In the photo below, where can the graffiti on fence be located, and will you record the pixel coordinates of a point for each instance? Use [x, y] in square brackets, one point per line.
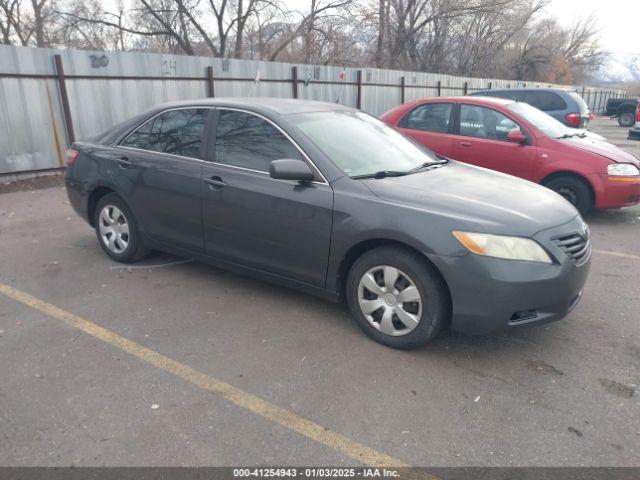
[98, 61]
[169, 67]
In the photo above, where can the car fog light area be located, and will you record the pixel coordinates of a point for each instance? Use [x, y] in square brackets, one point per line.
[623, 169]
[502, 246]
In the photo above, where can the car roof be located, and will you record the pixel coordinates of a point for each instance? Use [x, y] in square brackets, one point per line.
[281, 106]
[526, 89]
[468, 99]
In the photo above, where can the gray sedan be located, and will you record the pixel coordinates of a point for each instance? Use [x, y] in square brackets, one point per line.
[330, 200]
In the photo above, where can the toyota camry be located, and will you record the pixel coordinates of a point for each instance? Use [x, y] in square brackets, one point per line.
[332, 201]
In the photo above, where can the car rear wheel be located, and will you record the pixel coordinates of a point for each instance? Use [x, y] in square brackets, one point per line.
[397, 298]
[626, 119]
[574, 190]
[117, 230]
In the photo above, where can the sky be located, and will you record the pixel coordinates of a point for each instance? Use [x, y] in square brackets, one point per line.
[618, 20]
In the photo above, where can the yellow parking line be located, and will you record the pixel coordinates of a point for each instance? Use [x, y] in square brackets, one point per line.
[617, 254]
[243, 399]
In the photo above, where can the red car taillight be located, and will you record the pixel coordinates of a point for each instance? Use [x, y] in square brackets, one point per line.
[71, 156]
[573, 119]
[638, 113]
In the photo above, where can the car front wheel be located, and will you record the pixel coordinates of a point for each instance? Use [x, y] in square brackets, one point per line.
[574, 190]
[117, 230]
[397, 298]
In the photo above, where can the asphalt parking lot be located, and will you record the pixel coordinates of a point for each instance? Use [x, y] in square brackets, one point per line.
[196, 366]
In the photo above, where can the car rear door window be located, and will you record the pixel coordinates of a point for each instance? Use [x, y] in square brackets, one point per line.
[430, 117]
[545, 101]
[248, 141]
[484, 122]
[177, 132]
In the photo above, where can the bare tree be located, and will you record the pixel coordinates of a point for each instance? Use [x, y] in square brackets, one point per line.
[319, 10]
[13, 23]
[504, 38]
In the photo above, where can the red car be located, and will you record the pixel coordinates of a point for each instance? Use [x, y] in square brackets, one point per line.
[518, 139]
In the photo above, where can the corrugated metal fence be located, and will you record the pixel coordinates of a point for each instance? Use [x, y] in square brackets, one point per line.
[49, 97]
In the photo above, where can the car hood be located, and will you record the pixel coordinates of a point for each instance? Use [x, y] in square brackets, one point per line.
[477, 198]
[602, 148]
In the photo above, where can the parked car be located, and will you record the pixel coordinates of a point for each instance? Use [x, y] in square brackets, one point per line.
[335, 202]
[624, 109]
[566, 106]
[634, 133]
[518, 139]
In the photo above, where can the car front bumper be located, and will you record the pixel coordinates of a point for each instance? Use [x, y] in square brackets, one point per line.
[618, 192]
[634, 133]
[490, 295]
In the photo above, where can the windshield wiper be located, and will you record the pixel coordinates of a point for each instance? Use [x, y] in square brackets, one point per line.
[429, 164]
[381, 174]
[567, 135]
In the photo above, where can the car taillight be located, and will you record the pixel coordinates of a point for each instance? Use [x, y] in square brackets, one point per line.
[638, 113]
[573, 119]
[71, 156]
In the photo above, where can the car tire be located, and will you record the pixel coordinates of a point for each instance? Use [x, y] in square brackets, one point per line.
[399, 274]
[574, 190]
[117, 230]
[626, 119]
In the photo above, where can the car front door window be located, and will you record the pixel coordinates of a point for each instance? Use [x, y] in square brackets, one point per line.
[485, 123]
[248, 141]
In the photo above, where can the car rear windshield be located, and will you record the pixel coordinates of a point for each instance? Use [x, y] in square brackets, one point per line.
[543, 121]
[582, 105]
[360, 144]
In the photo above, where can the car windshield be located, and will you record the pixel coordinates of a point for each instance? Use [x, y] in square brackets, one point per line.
[362, 145]
[549, 125]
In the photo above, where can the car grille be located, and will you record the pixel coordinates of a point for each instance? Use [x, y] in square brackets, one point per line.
[576, 246]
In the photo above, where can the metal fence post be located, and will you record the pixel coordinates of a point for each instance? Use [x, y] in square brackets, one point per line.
[64, 97]
[210, 87]
[439, 88]
[359, 95]
[402, 89]
[490, 85]
[465, 88]
[294, 82]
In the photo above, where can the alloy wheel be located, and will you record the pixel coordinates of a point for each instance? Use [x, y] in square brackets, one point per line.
[390, 300]
[114, 229]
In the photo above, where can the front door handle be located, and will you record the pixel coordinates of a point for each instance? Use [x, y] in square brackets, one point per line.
[124, 162]
[215, 181]
[465, 144]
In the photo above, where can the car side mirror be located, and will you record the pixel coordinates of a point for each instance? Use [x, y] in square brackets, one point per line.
[516, 136]
[289, 169]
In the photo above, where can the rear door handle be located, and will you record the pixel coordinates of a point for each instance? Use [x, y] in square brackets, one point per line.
[215, 181]
[124, 162]
[465, 144]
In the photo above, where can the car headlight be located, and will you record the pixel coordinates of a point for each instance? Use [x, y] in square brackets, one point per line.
[623, 169]
[502, 246]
